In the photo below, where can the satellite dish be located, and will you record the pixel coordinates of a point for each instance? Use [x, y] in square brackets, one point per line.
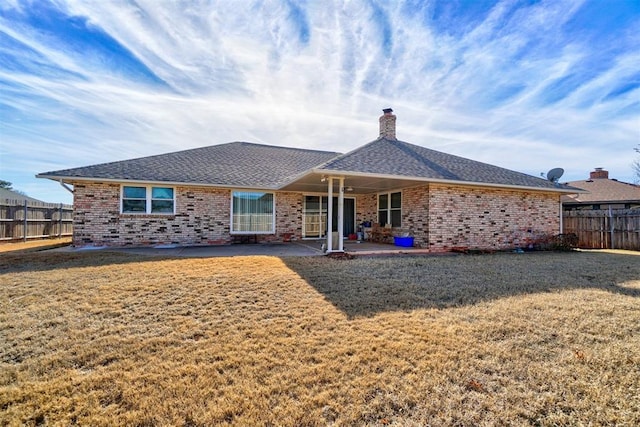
[554, 174]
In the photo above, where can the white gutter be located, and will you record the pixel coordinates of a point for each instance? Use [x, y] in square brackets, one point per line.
[319, 172]
[449, 182]
[174, 183]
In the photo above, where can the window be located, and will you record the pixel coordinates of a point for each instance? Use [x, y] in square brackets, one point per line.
[252, 212]
[161, 200]
[147, 200]
[390, 209]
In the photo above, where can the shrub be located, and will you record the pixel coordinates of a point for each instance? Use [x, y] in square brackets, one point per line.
[564, 242]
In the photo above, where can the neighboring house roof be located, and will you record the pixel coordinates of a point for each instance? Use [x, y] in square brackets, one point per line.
[238, 164]
[603, 190]
[13, 195]
[386, 156]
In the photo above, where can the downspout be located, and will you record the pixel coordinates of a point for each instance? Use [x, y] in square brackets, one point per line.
[561, 217]
[70, 190]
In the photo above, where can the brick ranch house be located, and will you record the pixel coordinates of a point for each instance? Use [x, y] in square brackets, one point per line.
[217, 194]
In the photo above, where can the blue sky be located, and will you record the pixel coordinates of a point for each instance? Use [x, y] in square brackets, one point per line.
[527, 85]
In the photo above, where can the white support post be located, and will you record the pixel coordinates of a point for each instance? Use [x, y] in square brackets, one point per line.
[341, 216]
[330, 215]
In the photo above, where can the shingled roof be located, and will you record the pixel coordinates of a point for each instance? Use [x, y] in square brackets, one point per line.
[604, 191]
[388, 156]
[247, 165]
[237, 164]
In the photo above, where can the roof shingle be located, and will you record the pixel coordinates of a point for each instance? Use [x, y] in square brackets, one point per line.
[239, 164]
[243, 164]
[392, 157]
[604, 190]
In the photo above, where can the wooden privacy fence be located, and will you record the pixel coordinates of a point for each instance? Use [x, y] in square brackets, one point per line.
[22, 220]
[604, 229]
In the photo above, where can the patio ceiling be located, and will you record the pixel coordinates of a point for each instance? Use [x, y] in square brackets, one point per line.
[360, 183]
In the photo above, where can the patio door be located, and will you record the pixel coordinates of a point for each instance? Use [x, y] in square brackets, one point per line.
[314, 216]
[349, 226]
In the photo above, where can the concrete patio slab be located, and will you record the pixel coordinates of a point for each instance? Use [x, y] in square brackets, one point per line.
[296, 248]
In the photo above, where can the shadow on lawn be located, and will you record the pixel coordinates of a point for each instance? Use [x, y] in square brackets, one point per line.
[368, 286]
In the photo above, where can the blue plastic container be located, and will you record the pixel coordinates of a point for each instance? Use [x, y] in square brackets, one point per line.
[405, 242]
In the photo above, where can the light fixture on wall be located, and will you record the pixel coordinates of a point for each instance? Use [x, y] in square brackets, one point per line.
[323, 179]
[349, 189]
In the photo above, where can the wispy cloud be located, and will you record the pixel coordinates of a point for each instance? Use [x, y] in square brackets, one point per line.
[525, 86]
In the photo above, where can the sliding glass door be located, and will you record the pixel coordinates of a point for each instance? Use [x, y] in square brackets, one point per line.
[315, 216]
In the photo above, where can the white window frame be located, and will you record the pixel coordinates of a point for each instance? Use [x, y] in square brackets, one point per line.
[388, 208]
[273, 213]
[148, 199]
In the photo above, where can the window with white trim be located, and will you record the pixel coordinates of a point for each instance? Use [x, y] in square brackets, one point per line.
[147, 199]
[390, 209]
[252, 212]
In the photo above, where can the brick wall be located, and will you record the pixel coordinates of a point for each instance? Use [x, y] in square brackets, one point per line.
[439, 217]
[288, 217]
[481, 218]
[366, 208]
[415, 215]
[96, 208]
[202, 218]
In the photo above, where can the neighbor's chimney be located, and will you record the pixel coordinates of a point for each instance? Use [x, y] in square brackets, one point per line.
[599, 173]
[388, 124]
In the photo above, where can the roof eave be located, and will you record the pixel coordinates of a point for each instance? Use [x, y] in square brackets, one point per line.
[69, 179]
[449, 181]
[603, 202]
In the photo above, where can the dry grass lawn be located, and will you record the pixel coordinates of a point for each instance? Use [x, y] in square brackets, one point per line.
[34, 245]
[106, 338]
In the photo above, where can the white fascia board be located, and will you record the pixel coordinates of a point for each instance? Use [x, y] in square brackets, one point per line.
[448, 181]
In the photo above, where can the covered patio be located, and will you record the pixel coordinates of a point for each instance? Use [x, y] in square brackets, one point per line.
[341, 188]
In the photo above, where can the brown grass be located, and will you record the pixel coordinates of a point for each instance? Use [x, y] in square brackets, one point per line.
[34, 245]
[112, 339]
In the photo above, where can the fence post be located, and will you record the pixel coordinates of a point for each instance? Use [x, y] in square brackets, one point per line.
[611, 227]
[24, 222]
[60, 222]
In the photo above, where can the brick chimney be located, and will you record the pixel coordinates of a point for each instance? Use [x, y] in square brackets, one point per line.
[599, 173]
[388, 124]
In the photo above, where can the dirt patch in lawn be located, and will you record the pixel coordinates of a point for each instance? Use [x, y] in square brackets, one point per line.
[110, 338]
